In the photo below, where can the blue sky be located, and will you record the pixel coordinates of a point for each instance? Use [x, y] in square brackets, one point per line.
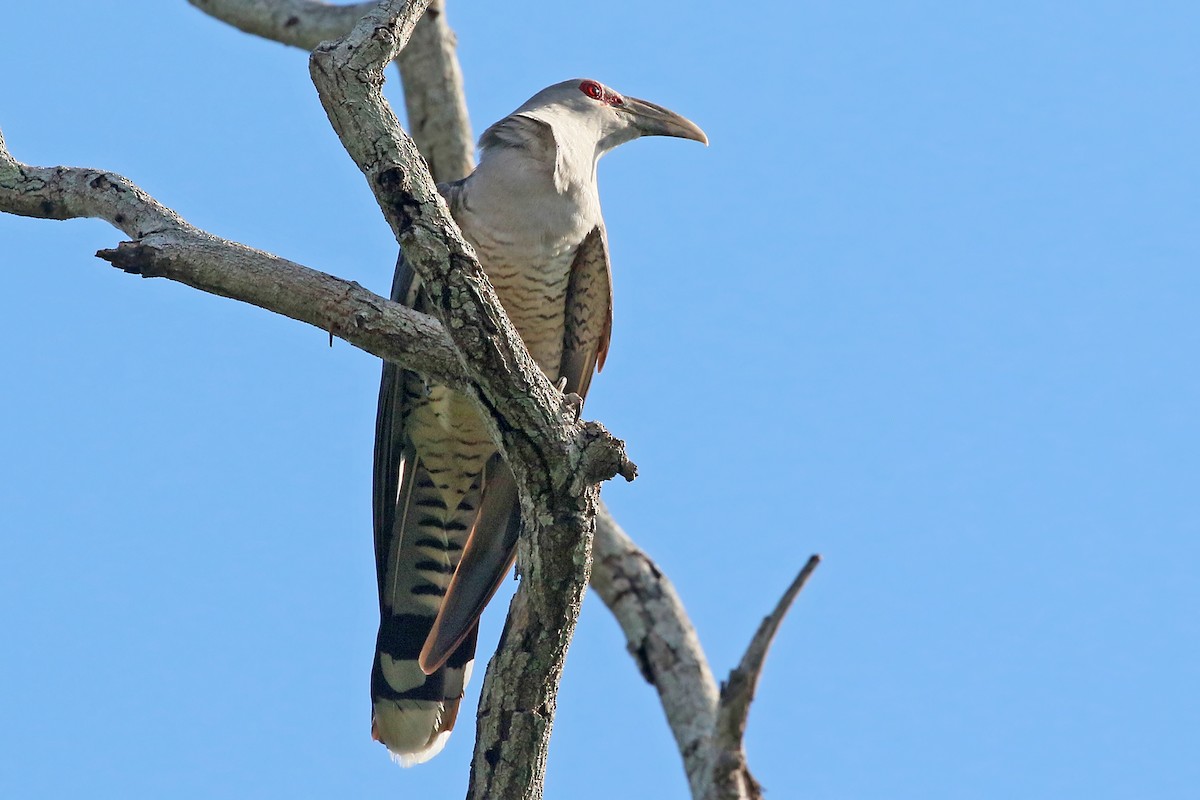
[927, 306]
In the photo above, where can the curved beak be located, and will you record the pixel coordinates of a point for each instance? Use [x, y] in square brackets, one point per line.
[654, 120]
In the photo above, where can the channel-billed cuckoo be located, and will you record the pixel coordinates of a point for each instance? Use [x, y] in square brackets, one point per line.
[446, 513]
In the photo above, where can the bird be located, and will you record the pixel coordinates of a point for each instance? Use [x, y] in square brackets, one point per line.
[446, 517]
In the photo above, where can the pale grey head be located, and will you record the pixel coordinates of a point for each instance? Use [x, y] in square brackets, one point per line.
[605, 115]
[560, 132]
[590, 119]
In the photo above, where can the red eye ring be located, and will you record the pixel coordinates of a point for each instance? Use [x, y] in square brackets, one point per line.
[592, 89]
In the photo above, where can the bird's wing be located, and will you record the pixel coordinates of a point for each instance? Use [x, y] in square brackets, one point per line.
[488, 556]
[427, 634]
[588, 313]
[492, 545]
[532, 135]
[391, 446]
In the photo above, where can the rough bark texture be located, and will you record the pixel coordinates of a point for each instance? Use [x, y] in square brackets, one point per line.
[709, 727]
[661, 639]
[299, 23]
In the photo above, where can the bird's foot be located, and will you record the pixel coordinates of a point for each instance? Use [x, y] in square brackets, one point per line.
[570, 399]
[575, 403]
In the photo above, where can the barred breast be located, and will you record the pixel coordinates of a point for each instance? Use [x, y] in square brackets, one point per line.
[533, 293]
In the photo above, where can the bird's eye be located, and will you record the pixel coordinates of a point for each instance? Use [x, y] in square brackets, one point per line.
[592, 89]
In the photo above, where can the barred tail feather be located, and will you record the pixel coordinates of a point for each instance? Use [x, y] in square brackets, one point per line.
[412, 713]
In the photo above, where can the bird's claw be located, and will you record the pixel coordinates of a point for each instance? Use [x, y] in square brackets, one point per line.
[575, 403]
[570, 399]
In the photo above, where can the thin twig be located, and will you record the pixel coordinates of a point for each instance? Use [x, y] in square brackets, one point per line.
[730, 777]
[738, 691]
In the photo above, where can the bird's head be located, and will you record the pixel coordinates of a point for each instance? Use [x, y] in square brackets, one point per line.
[586, 110]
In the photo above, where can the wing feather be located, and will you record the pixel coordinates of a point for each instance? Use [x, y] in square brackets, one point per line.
[588, 327]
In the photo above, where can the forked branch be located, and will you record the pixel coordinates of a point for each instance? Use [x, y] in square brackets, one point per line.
[709, 727]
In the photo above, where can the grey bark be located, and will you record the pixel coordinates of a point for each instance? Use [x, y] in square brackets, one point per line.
[299, 23]
[661, 639]
[434, 97]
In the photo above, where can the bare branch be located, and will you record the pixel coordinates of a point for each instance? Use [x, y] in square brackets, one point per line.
[71, 193]
[738, 691]
[299, 23]
[661, 639]
[167, 246]
[730, 776]
[708, 728]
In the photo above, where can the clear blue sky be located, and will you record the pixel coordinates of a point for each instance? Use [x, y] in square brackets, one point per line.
[927, 306]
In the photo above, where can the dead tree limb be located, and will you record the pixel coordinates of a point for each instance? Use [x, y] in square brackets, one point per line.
[165, 245]
[299, 23]
[660, 637]
[709, 726]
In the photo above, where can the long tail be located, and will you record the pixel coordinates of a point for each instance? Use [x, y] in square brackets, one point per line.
[423, 516]
[413, 713]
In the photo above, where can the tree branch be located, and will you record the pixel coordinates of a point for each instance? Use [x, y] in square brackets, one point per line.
[434, 97]
[660, 637]
[738, 691]
[730, 776]
[167, 246]
[299, 23]
[708, 728]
